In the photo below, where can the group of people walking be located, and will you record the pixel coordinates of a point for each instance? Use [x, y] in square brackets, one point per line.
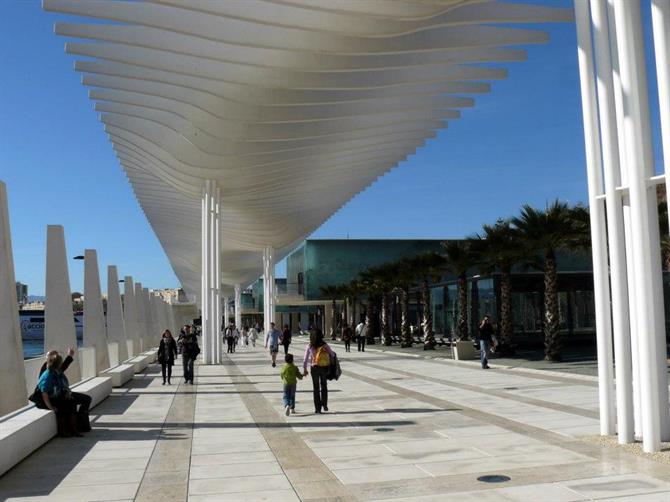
[234, 336]
[72, 408]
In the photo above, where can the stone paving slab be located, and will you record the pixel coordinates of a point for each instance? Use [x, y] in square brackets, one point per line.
[399, 429]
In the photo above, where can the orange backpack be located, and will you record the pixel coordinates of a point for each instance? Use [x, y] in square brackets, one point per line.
[321, 357]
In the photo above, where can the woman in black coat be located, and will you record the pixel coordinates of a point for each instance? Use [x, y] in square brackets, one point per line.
[167, 353]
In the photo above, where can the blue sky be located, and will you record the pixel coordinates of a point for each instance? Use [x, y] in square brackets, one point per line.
[522, 143]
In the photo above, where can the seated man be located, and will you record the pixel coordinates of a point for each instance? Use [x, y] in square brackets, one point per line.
[81, 401]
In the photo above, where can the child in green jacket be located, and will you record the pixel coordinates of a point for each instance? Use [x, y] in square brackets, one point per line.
[289, 376]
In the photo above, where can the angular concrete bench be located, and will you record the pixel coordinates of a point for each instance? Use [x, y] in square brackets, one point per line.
[140, 362]
[120, 374]
[151, 354]
[28, 428]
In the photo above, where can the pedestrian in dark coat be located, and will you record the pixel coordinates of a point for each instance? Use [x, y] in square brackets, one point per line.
[286, 338]
[167, 353]
[190, 350]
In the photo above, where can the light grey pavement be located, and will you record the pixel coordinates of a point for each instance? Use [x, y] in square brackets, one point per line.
[399, 428]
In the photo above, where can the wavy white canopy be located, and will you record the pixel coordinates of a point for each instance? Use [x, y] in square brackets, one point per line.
[292, 106]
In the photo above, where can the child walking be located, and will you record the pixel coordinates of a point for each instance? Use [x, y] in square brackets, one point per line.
[289, 377]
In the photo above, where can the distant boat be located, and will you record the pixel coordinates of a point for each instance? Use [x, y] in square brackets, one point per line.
[32, 324]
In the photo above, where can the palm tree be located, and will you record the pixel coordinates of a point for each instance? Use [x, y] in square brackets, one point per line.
[332, 293]
[557, 227]
[459, 258]
[379, 282]
[427, 267]
[498, 247]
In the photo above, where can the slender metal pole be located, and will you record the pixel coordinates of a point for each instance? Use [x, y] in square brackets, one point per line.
[648, 289]
[217, 262]
[660, 17]
[598, 244]
[204, 276]
[238, 306]
[615, 230]
[618, 100]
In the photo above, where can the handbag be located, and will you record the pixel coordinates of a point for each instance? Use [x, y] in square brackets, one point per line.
[36, 397]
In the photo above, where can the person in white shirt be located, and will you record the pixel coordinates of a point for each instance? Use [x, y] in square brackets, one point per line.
[361, 334]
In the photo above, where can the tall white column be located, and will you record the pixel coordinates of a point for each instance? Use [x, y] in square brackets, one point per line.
[238, 306]
[615, 226]
[648, 290]
[204, 276]
[268, 287]
[149, 333]
[660, 16]
[131, 316]
[597, 211]
[157, 327]
[618, 100]
[141, 318]
[216, 257]
[59, 329]
[12, 371]
[95, 334]
[116, 331]
[211, 272]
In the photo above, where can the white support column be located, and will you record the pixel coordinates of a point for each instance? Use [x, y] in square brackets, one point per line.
[116, 331]
[216, 256]
[618, 99]
[647, 288]
[238, 306]
[149, 335]
[141, 318]
[268, 287]
[211, 272]
[95, 334]
[597, 210]
[615, 228]
[226, 301]
[204, 276]
[130, 316]
[12, 371]
[660, 16]
[59, 330]
[156, 324]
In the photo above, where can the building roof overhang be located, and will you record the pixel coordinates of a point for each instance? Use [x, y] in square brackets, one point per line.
[292, 106]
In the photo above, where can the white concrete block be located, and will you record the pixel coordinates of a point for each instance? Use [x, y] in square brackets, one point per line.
[11, 355]
[464, 350]
[120, 374]
[98, 388]
[113, 353]
[87, 362]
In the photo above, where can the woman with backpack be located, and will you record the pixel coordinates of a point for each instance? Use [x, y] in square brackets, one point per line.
[318, 355]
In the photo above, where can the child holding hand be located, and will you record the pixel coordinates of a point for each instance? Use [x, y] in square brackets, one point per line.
[289, 377]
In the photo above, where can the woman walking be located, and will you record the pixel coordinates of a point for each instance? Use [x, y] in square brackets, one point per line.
[286, 338]
[318, 355]
[167, 353]
[346, 337]
[253, 336]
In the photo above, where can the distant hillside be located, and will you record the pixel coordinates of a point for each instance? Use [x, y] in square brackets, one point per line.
[36, 298]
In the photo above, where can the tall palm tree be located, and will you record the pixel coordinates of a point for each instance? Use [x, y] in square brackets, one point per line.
[499, 248]
[557, 227]
[332, 293]
[380, 282]
[427, 267]
[459, 258]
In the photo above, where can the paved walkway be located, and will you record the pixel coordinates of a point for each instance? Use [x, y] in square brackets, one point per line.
[399, 428]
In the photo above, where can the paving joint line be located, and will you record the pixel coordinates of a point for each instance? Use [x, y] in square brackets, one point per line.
[593, 451]
[574, 410]
[343, 494]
